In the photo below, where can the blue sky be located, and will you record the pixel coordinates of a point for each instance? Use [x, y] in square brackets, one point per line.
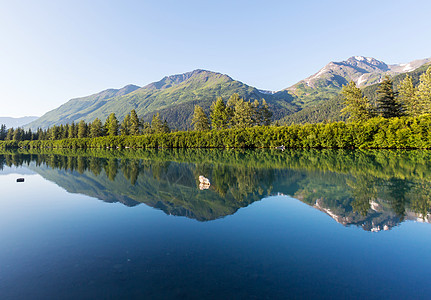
[52, 51]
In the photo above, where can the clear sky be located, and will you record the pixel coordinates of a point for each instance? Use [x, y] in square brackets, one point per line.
[52, 51]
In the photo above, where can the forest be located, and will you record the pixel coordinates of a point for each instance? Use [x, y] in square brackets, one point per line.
[346, 181]
[398, 118]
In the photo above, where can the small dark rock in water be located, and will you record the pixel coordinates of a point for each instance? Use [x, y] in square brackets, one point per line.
[20, 180]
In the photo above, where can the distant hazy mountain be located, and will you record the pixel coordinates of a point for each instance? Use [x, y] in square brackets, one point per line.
[16, 122]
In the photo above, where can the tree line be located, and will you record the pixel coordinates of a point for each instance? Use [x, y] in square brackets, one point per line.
[405, 99]
[237, 113]
[131, 125]
[379, 132]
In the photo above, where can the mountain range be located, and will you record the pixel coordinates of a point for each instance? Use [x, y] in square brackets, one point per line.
[175, 96]
[16, 122]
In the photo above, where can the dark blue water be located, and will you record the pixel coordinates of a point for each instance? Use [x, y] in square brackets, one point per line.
[57, 242]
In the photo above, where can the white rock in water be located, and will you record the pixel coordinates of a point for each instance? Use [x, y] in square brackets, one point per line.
[203, 186]
[204, 180]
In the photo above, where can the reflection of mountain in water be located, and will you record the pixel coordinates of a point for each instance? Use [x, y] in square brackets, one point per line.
[375, 190]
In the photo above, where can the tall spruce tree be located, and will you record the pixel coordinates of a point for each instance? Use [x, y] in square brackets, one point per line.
[200, 120]
[82, 129]
[242, 114]
[159, 126]
[9, 134]
[71, 133]
[3, 132]
[387, 104]
[135, 124]
[407, 96]
[111, 125]
[424, 92]
[125, 126]
[265, 114]
[96, 128]
[219, 114]
[356, 105]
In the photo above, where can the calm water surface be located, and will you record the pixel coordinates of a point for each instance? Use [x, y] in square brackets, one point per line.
[270, 224]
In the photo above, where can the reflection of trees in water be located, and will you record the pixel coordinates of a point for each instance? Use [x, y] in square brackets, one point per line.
[363, 190]
[347, 182]
[240, 182]
[397, 191]
[111, 168]
[420, 198]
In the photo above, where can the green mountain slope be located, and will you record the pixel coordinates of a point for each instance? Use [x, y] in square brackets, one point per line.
[314, 99]
[79, 108]
[173, 97]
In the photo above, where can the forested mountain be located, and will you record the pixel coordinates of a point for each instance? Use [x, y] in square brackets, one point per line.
[330, 110]
[364, 71]
[174, 97]
[313, 99]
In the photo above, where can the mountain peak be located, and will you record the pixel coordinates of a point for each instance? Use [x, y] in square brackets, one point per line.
[172, 80]
[360, 69]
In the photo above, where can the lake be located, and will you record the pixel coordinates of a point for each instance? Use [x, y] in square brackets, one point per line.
[257, 224]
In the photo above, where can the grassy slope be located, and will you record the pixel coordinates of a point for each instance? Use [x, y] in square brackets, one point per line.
[173, 97]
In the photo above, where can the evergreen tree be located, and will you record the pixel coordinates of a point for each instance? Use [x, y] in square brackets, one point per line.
[96, 128]
[29, 135]
[9, 134]
[165, 127]
[135, 124]
[146, 128]
[219, 114]
[157, 124]
[3, 132]
[242, 115]
[407, 96]
[82, 129]
[18, 134]
[424, 92]
[200, 120]
[356, 105]
[387, 105]
[39, 133]
[265, 114]
[71, 131]
[54, 132]
[125, 126]
[257, 117]
[111, 125]
[64, 131]
[233, 100]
